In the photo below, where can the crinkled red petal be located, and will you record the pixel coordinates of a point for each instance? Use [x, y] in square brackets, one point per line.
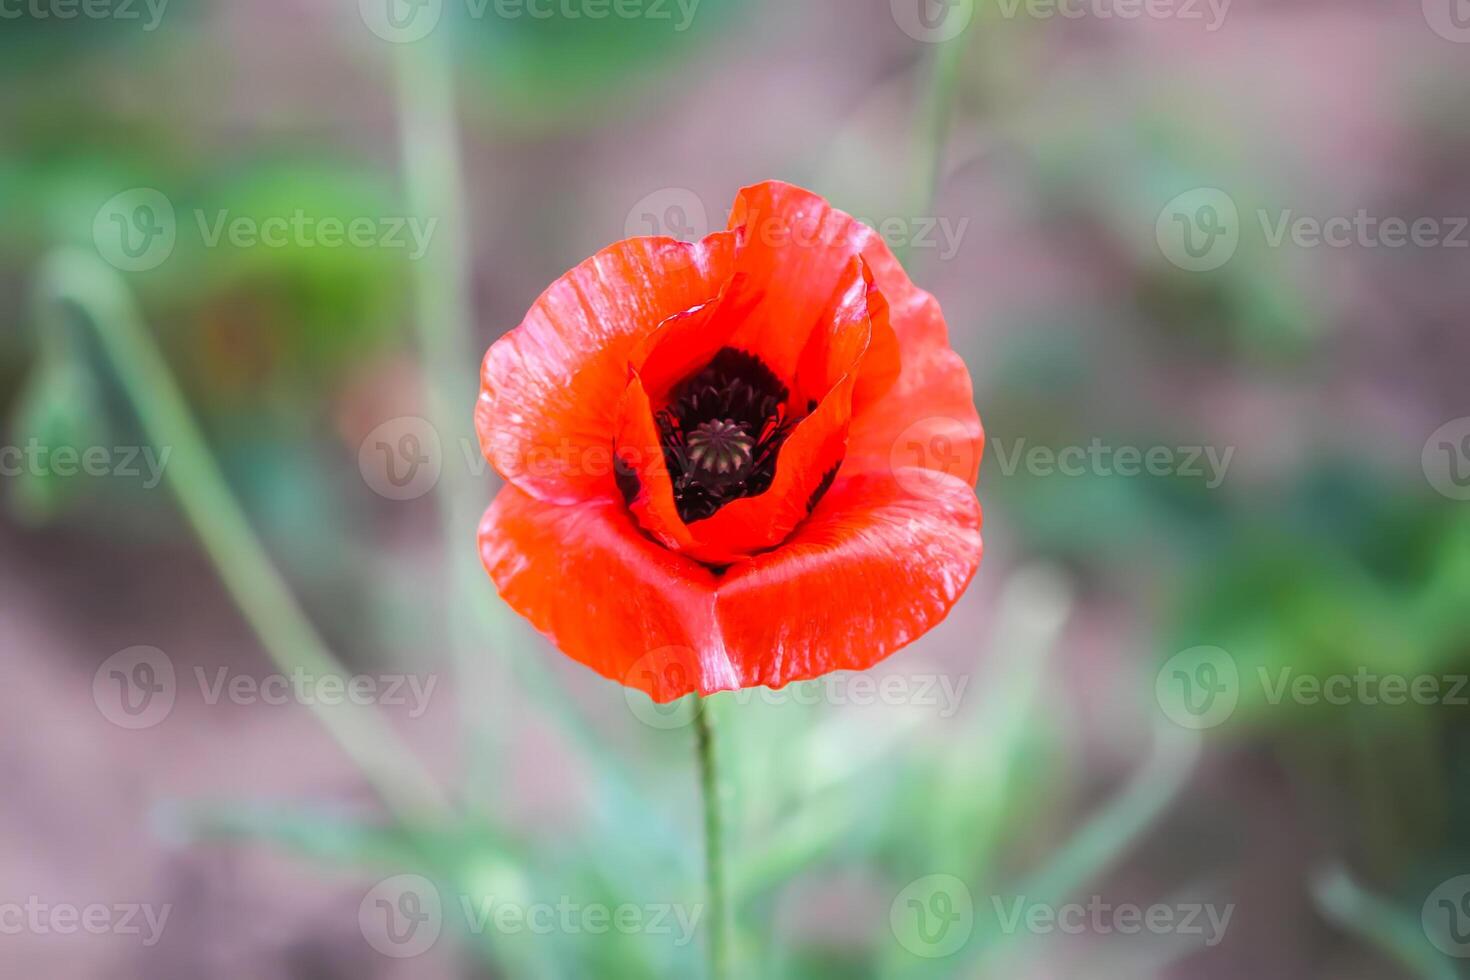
[880, 562]
[550, 388]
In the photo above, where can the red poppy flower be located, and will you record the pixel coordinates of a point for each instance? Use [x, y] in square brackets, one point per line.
[743, 461]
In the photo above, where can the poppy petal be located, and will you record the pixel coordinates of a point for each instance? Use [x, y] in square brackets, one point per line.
[881, 561]
[550, 387]
[795, 249]
[927, 417]
[882, 361]
[644, 476]
[606, 595]
[684, 343]
[877, 566]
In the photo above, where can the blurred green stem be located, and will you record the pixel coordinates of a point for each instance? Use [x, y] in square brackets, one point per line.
[1109, 834]
[443, 317]
[714, 843]
[480, 632]
[933, 122]
[1379, 923]
[75, 278]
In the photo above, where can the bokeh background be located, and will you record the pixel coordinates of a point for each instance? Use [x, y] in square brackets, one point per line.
[1210, 671]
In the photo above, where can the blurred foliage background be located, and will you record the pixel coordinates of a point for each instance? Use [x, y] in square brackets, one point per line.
[1028, 165]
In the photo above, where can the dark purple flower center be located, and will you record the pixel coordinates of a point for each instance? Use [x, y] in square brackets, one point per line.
[722, 431]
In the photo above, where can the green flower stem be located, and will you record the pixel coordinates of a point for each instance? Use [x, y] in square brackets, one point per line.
[714, 844]
[443, 317]
[933, 125]
[1110, 833]
[1378, 922]
[481, 633]
[76, 279]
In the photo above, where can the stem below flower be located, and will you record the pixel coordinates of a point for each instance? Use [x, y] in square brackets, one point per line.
[714, 845]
